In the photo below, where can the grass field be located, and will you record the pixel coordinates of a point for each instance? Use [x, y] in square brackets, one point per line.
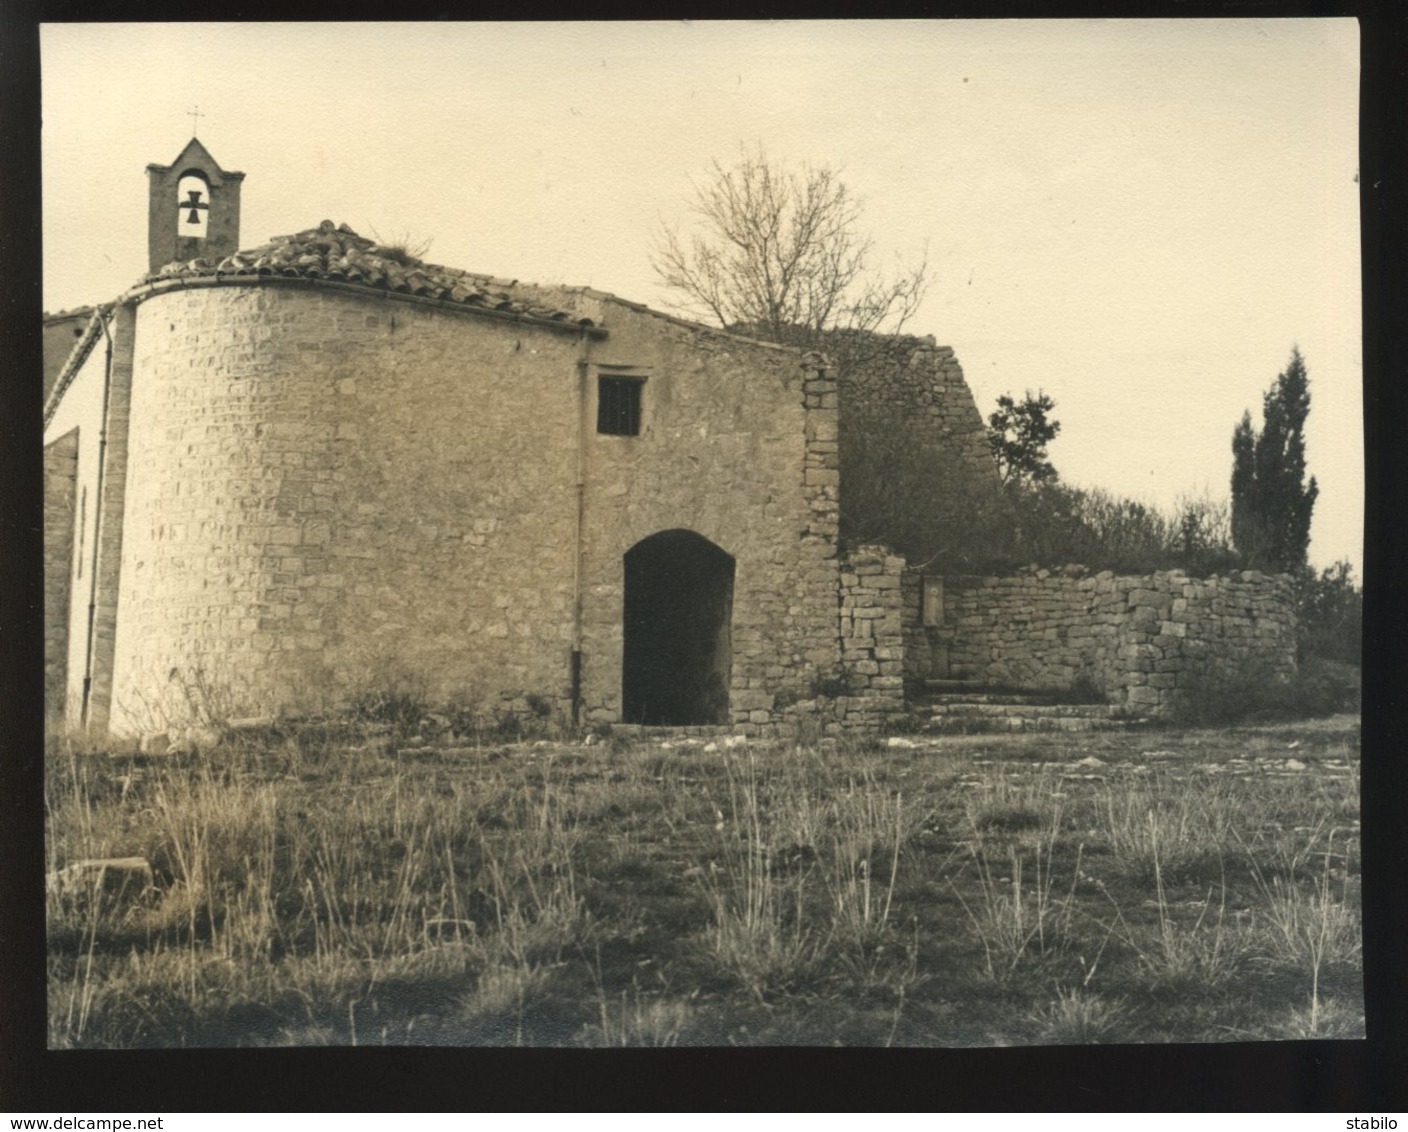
[328, 884]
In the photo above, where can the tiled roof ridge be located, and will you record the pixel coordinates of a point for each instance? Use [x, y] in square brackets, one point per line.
[664, 316]
[901, 338]
[336, 253]
[72, 312]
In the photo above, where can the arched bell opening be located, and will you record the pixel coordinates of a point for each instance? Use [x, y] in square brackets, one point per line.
[192, 205]
[678, 653]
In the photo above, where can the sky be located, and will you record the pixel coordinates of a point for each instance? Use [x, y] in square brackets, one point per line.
[1140, 218]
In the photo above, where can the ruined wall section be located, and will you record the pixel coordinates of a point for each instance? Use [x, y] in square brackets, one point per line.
[1139, 640]
[916, 471]
[899, 378]
[335, 493]
[737, 443]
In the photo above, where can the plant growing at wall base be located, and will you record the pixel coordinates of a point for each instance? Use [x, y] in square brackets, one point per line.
[1057, 524]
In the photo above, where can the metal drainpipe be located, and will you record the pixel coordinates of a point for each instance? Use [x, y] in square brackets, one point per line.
[97, 525]
[578, 534]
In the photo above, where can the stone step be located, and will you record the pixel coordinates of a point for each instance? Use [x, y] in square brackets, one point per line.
[944, 684]
[977, 691]
[1022, 710]
[972, 707]
[995, 724]
[991, 698]
[703, 731]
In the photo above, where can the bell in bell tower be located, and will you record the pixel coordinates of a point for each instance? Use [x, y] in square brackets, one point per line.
[193, 208]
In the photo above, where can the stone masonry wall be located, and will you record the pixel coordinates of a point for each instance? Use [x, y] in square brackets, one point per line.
[60, 514]
[738, 444]
[872, 639]
[79, 413]
[61, 333]
[333, 494]
[110, 518]
[97, 379]
[916, 470]
[903, 377]
[1137, 640]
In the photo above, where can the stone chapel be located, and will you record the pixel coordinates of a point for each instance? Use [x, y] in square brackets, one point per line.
[283, 475]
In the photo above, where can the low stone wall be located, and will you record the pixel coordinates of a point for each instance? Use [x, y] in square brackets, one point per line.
[1136, 640]
[872, 638]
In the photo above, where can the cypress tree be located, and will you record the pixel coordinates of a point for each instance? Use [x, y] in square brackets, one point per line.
[1271, 502]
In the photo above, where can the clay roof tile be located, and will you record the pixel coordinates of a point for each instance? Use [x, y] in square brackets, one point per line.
[337, 253]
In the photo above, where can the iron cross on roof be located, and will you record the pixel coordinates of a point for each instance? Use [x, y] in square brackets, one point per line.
[196, 115]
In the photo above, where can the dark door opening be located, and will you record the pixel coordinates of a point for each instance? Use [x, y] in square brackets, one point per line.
[678, 653]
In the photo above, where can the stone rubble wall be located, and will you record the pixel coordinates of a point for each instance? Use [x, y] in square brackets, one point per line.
[872, 636]
[903, 377]
[1138, 640]
[866, 692]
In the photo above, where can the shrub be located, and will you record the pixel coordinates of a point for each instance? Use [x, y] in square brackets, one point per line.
[400, 708]
[1256, 694]
[1330, 610]
[1323, 687]
[926, 503]
[1056, 524]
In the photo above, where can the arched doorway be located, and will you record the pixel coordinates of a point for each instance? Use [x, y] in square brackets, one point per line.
[678, 606]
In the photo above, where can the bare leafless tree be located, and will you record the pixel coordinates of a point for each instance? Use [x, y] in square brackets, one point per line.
[779, 252]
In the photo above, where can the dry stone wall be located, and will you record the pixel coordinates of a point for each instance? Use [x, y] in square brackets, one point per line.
[900, 378]
[872, 638]
[1137, 640]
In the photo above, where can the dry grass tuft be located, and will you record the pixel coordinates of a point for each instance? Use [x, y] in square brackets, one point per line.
[341, 881]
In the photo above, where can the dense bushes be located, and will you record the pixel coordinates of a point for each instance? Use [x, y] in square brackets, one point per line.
[1320, 687]
[1056, 524]
[946, 517]
[898, 489]
[1331, 612]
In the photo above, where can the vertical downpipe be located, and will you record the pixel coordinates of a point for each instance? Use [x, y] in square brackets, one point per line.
[577, 549]
[97, 525]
